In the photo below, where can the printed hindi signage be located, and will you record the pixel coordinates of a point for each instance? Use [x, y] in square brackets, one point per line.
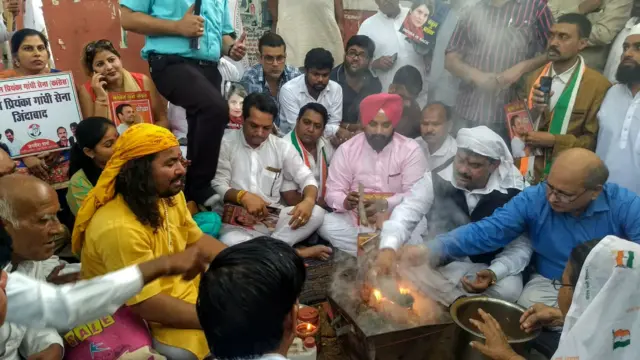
[36, 113]
[130, 108]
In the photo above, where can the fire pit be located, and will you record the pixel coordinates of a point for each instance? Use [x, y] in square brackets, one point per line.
[389, 321]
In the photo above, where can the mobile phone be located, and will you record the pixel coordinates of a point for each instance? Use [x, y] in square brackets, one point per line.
[394, 57]
[545, 87]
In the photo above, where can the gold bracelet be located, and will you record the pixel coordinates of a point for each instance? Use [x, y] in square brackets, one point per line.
[239, 196]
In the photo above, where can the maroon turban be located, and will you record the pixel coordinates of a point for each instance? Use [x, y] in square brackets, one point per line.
[390, 104]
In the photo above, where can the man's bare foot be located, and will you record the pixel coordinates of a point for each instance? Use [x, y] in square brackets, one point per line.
[315, 252]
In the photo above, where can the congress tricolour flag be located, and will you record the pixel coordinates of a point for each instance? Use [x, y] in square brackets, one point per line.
[621, 338]
[625, 259]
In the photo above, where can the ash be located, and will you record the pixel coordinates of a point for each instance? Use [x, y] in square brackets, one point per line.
[350, 287]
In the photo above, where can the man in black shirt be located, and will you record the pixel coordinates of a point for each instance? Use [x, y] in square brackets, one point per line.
[357, 83]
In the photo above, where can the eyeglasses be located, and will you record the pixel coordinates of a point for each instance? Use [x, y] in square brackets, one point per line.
[354, 54]
[92, 46]
[557, 284]
[562, 197]
[274, 59]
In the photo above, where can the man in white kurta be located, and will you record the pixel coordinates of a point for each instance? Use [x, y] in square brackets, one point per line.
[383, 29]
[251, 169]
[482, 179]
[619, 118]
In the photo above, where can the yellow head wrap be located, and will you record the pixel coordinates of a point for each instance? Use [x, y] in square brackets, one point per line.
[138, 141]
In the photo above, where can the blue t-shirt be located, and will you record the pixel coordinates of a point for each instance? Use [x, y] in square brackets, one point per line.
[217, 22]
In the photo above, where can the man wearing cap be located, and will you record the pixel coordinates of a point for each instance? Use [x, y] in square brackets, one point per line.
[481, 179]
[137, 212]
[387, 164]
[619, 118]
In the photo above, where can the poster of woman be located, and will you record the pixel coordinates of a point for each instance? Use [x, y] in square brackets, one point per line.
[416, 24]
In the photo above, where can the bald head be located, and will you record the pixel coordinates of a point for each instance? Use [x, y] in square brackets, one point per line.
[22, 194]
[7, 166]
[582, 166]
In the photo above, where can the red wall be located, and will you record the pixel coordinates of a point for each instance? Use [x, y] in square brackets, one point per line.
[73, 23]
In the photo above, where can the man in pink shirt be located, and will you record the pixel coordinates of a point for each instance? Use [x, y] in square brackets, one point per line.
[386, 163]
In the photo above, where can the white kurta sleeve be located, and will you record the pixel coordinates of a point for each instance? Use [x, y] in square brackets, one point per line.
[335, 112]
[513, 259]
[294, 168]
[289, 109]
[221, 183]
[39, 304]
[405, 217]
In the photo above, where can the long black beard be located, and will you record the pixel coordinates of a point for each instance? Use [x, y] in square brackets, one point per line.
[628, 74]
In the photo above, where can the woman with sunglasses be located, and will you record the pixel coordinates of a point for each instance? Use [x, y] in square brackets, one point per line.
[597, 307]
[101, 61]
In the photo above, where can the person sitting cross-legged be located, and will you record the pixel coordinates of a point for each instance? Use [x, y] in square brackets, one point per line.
[137, 212]
[387, 164]
[480, 179]
[252, 167]
[313, 148]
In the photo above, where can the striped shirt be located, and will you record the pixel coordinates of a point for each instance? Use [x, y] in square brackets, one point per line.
[493, 39]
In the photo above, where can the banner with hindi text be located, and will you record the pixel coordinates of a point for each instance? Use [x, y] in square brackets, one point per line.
[36, 113]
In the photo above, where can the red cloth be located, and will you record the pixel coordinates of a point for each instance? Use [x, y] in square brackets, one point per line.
[390, 104]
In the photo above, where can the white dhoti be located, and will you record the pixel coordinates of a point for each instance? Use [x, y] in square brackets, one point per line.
[340, 231]
[508, 289]
[232, 235]
[539, 290]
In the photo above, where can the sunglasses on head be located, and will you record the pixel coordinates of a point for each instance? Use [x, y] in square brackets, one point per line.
[92, 46]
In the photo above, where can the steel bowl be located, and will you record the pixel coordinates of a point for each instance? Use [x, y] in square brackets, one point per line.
[507, 314]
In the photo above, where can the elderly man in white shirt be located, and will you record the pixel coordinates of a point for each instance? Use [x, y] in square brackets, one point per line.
[314, 150]
[481, 179]
[314, 86]
[438, 145]
[28, 208]
[252, 166]
[618, 142]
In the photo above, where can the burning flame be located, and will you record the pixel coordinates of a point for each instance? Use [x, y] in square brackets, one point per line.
[403, 291]
[377, 294]
[309, 326]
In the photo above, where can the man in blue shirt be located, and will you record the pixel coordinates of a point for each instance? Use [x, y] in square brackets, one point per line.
[573, 206]
[272, 72]
[189, 77]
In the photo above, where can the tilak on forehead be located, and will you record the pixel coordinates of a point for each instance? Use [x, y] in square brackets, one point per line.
[390, 105]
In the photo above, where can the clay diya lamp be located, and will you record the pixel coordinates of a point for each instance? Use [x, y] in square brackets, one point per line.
[308, 314]
[305, 330]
